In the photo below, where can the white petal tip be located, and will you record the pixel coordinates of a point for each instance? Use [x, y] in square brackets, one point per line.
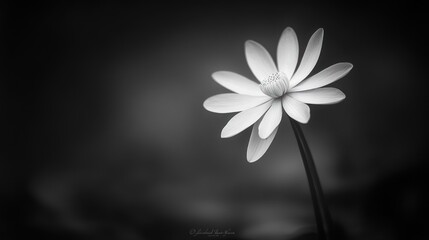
[205, 105]
[345, 65]
[225, 135]
[251, 44]
[263, 134]
[320, 32]
[252, 159]
[248, 42]
[288, 29]
[214, 75]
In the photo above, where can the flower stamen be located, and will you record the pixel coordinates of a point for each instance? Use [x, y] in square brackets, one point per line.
[276, 85]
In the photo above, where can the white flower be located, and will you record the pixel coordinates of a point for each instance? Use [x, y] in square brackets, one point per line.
[280, 87]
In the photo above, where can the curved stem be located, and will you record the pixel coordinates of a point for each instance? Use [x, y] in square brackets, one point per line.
[321, 211]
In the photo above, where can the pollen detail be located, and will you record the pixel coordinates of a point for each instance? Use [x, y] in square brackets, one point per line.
[275, 85]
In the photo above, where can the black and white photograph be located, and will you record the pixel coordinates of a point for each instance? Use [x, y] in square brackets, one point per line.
[213, 120]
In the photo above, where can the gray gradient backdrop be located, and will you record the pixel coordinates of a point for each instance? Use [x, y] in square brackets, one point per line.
[105, 135]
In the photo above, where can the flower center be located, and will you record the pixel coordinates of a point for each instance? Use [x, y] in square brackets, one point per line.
[276, 85]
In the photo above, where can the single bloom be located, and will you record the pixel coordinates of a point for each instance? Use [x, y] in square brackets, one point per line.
[280, 87]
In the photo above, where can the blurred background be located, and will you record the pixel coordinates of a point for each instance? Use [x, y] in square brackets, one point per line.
[105, 136]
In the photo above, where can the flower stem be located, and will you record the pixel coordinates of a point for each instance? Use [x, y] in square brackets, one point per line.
[321, 211]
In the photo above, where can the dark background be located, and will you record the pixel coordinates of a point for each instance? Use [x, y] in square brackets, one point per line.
[105, 136]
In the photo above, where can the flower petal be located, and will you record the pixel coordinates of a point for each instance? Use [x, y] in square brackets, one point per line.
[287, 52]
[319, 96]
[258, 146]
[325, 77]
[243, 120]
[309, 60]
[237, 83]
[296, 109]
[232, 102]
[271, 119]
[259, 60]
